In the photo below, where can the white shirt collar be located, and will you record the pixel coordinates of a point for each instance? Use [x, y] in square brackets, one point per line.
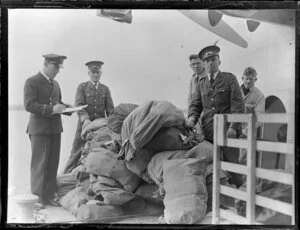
[215, 75]
[95, 83]
[43, 73]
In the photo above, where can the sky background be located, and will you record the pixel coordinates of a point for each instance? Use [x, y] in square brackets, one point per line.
[144, 60]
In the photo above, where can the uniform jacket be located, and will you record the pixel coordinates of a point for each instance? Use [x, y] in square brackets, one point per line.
[39, 99]
[224, 97]
[99, 101]
[254, 102]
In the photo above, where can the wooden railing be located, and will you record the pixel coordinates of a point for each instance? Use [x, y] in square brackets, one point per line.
[250, 169]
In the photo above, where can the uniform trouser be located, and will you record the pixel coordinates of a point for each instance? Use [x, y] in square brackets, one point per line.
[76, 150]
[44, 164]
[232, 155]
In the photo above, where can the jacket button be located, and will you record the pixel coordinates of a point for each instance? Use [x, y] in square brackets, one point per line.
[213, 107]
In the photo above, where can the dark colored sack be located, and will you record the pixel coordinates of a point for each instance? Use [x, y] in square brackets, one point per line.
[203, 149]
[98, 213]
[117, 117]
[144, 122]
[167, 139]
[98, 138]
[140, 206]
[149, 192]
[65, 183]
[103, 162]
[110, 191]
[138, 165]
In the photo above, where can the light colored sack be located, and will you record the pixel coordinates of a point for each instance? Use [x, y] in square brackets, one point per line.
[97, 213]
[185, 190]
[94, 125]
[187, 209]
[74, 199]
[155, 166]
[111, 193]
[105, 163]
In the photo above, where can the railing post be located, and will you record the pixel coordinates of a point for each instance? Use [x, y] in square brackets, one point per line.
[216, 173]
[251, 168]
[290, 159]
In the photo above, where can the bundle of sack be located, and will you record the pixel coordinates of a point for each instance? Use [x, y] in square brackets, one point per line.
[131, 162]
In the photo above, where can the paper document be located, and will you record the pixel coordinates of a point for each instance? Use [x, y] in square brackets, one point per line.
[74, 109]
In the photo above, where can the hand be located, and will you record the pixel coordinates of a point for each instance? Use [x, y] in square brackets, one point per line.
[231, 133]
[190, 122]
[249, 106]
[58, 108]
[85, 123]
[68, 105]
[245, 132]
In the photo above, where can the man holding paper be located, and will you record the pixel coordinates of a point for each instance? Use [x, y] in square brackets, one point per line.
[43, 99]
[99, 103]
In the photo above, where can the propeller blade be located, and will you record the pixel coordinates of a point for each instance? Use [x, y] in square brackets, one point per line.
[252, 25]
[222, 29]
[214, 17]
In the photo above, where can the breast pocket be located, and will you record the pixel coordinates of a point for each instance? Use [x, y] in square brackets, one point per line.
[222, 96]
[101, 99]
[90, 98]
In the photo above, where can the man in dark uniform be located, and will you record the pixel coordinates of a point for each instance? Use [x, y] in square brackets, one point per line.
[43, 99]
[219, 92]
[100, 105]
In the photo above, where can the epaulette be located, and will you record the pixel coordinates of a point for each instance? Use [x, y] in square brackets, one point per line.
[228, 74]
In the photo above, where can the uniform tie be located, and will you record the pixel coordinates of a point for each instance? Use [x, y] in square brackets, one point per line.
[51, 82]
[211, 80]
[245, 90]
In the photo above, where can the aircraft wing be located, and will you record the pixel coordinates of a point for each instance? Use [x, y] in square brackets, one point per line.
[222, 29]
